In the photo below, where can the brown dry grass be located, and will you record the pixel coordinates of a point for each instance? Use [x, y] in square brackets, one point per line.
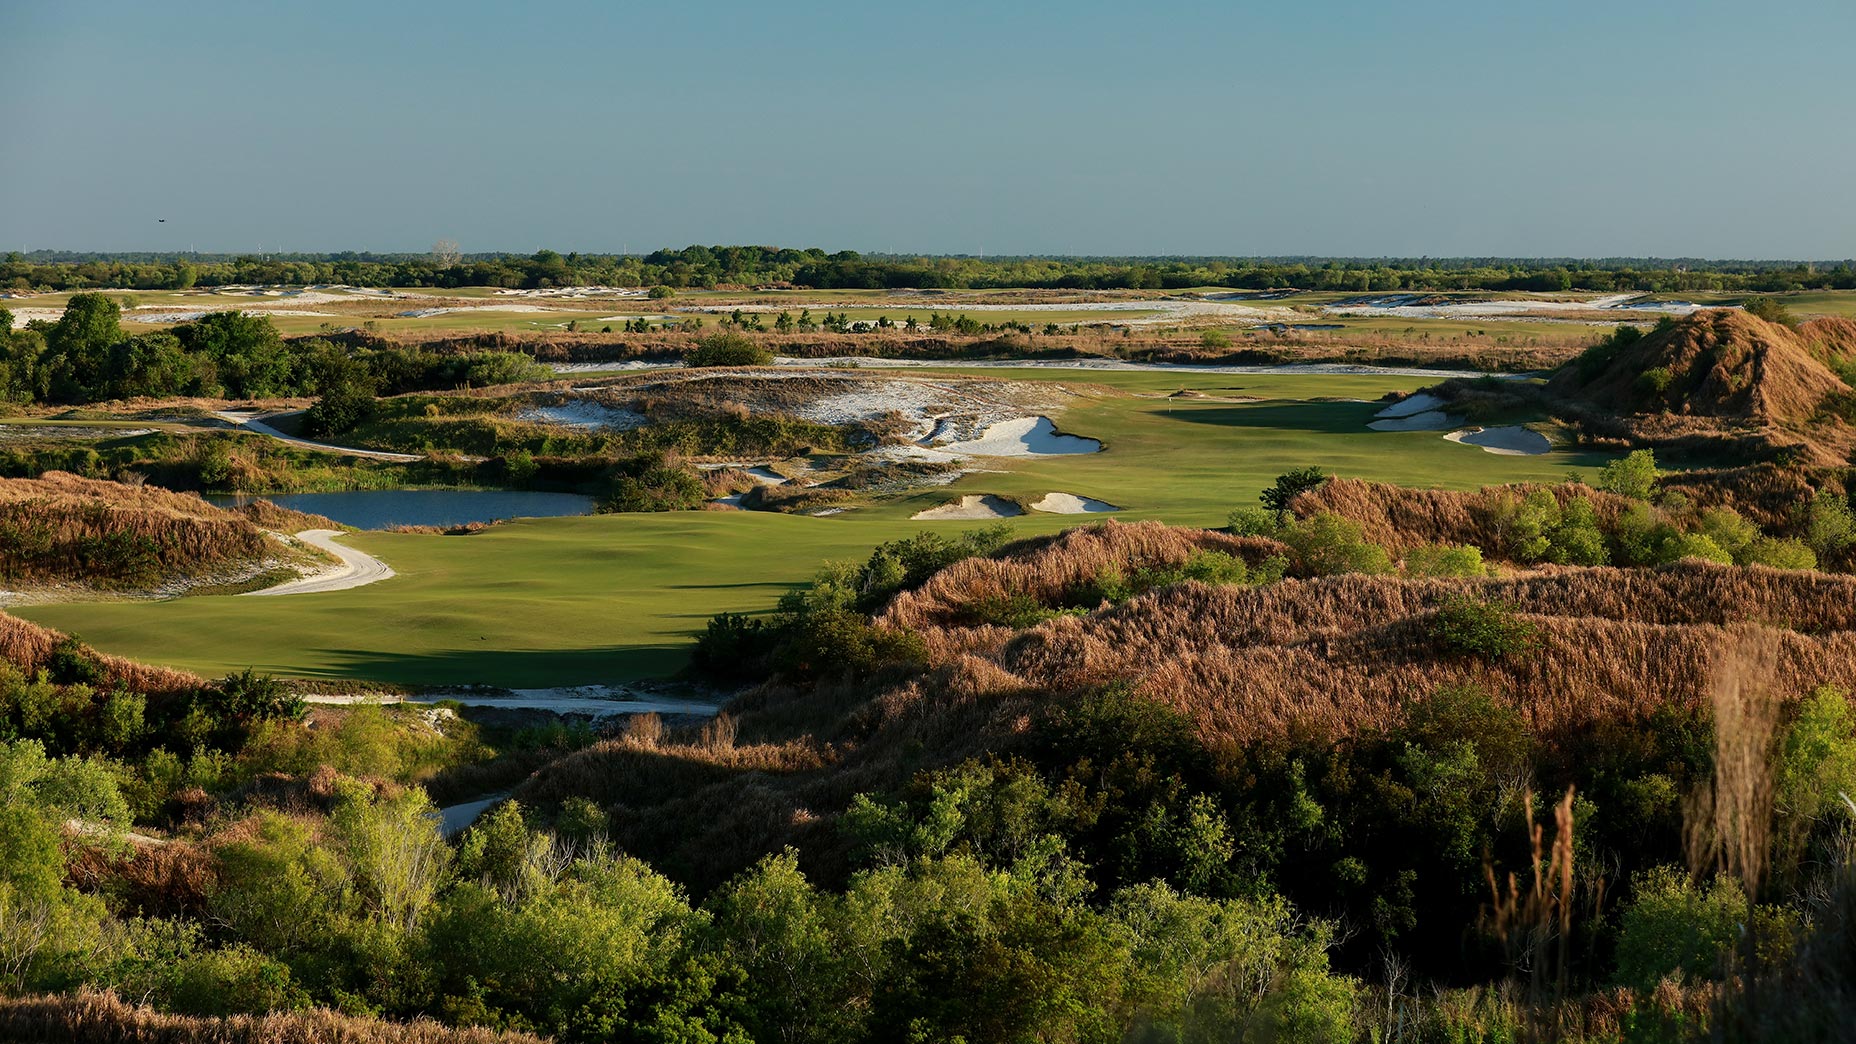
[266, 515]
[1400, 519]
[1311, 660]
[104, 1018]
[29, 647]
[55, 522]
[1724, 364]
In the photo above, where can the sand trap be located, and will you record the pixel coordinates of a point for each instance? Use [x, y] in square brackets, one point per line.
[1071, 504]
[1410, 405]
[1429, 420]
[971, 507]
[1024, 437]
[583, 414]
[766, 476]
[1512, 441]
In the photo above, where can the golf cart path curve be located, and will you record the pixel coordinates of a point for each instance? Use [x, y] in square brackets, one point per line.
[250, 422]
[357, 568]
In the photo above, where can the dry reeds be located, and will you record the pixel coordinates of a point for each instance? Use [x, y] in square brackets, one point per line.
[63, 528]
[29, 647]
[104, 1018]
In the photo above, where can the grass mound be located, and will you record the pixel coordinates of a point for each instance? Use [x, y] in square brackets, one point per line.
[62, 529]
[1719, 363]
[1291, 661]
[31, 648]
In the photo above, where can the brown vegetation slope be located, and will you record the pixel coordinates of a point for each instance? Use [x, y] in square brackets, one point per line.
[103, 1018]
[1719, 363]
[63, 529]
[30, 647]
[1399, 519]
[1304, 658]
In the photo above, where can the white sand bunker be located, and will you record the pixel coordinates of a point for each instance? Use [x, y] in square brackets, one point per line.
[1071, 504]
[1429, 420]
[580, 413]
[1023, 437]
[971, 507]
[1512, 441]
[1410, 405]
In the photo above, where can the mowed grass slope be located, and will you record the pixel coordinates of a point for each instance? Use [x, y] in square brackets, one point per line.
[617, 597]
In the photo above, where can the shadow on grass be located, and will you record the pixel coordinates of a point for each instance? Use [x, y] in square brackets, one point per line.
[513, 669]
[1336, 418]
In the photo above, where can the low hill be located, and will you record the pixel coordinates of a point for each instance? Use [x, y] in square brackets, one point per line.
[1720, 363]
[31, 648]
[64, 530]
[1291, 662]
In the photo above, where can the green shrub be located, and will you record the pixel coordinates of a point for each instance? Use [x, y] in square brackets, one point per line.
[1771, 309]
[1652, 383]
[1633, 475]
[1674, 928]
[1249, 521]
[725, 348]
[1214, 340]
[1289, 485]
[1471, 627]
[1780, 554]
[1328, 544]
[1445, 560]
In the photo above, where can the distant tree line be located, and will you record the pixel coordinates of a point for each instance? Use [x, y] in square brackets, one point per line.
[711, 266]
[86, 356]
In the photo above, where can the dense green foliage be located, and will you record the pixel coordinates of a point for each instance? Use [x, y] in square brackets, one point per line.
[708, 266]
[86, 357]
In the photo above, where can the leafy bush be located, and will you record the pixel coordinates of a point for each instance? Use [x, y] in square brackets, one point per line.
[1780, 554]
[1328, 544]
[726, 348]
[1249, 521]
[1289, 485]
[1633, 475]
[1593, 360]
[1470, 627]
[1771, 309]
[1445, 560]
[1674, 928]
[1214, 340]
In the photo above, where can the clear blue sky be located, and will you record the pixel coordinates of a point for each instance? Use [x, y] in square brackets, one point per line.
[1692, 128]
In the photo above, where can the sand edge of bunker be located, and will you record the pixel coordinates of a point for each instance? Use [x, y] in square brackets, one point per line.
[1056, 503]
[1510, 441]
[970, 507]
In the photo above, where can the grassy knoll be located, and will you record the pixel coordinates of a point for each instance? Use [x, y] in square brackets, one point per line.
[605, 598]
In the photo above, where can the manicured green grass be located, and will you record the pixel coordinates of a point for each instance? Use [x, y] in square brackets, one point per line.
[614, 597]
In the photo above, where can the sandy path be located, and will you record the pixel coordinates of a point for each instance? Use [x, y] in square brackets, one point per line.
[250, 422]
[357, 568]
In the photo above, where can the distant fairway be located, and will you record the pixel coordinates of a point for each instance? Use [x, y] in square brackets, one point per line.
[616, 597]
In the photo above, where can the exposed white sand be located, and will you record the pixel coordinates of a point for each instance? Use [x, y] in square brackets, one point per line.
[580, 413]
[872, 362]
[426, 313]
[766, 476]
[1071, 504]
[1511, 441]
[971, 507]
[1023, 437]
[1430, 420]
[1420, 402]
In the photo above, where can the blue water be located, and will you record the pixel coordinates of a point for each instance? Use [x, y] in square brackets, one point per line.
[384, 508]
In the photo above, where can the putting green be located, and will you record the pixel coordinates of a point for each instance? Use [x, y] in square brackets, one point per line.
[615, 597]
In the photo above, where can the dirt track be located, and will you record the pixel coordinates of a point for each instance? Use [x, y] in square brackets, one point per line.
[357, 569]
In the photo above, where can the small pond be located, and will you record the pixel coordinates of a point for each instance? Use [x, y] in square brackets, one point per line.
[385, 508]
